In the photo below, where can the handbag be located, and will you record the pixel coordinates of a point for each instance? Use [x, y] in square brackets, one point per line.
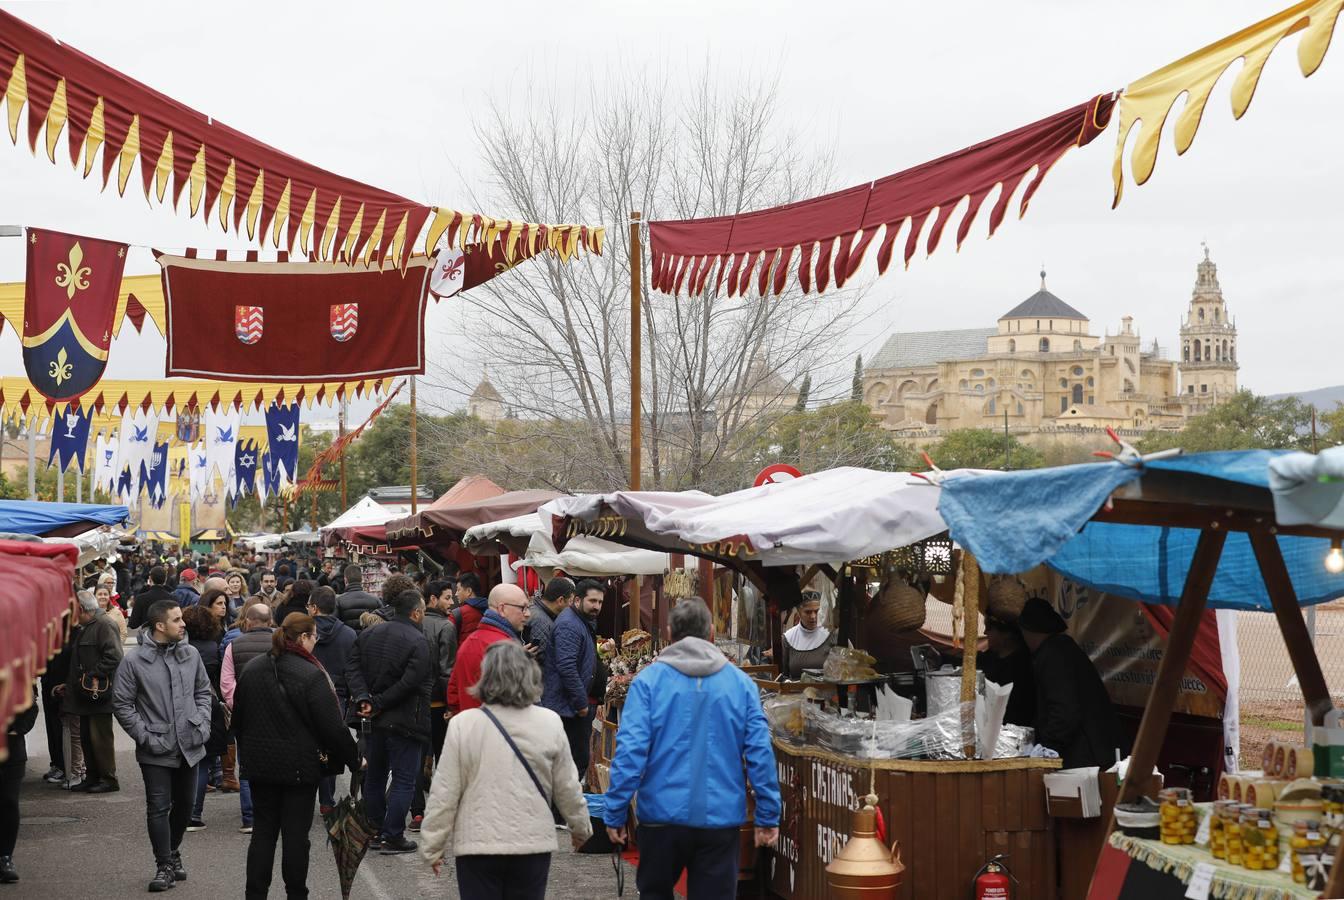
[325, 764]
[518, 753]
[94, 686]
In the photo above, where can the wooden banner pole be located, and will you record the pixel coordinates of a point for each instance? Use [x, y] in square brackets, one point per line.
[636, 415]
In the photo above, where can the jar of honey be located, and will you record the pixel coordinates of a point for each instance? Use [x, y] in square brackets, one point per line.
[1307, 844]
[1178, 819]
[1260, 839]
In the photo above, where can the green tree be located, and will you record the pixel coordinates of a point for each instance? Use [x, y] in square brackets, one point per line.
[856, 386]
[803, 390]
[1245, 421]
[983, 448]
[837, 434]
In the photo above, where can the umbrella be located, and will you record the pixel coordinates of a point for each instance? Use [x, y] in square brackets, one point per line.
[349, 833]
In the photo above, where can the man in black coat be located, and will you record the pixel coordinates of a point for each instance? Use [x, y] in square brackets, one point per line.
[158, 577]
[355, 601]
[1074, 715]
[88, 694]
[389, 676]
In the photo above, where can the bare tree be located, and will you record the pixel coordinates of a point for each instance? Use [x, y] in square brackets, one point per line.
[716, 370]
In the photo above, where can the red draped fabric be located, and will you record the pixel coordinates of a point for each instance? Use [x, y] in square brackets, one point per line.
[1206, 660]
[830, 234]
[36, 600]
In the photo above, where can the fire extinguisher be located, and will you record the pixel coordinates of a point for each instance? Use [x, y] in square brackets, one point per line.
[993, 881]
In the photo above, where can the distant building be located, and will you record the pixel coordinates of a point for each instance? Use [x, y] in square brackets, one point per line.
[1042, 368]
[485, 402]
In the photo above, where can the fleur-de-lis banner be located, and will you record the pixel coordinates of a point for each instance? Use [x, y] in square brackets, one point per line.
[69, 437]
[70, 301]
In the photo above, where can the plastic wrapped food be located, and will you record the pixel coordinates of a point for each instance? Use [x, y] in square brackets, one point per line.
[937, 737]
[787, 714]
[848, 664]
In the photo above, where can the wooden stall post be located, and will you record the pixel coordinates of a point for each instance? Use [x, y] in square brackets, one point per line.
[1181, 640]
[970, 622]
[1306, 665]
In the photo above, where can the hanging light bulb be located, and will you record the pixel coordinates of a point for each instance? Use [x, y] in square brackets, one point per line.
[1334, 560]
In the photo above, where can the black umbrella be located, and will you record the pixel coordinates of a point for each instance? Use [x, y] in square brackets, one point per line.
[349, 831]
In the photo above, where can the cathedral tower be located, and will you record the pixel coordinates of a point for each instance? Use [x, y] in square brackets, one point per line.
[1208, 343]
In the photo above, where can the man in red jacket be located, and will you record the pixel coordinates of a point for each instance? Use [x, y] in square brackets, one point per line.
[471, 607]
[503, 621]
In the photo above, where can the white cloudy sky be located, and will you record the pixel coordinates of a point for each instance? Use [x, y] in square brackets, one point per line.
[387, 92]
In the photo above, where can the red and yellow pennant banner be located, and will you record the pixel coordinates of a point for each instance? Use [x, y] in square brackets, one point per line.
[20, 397]
[246, 181]
[312, 480]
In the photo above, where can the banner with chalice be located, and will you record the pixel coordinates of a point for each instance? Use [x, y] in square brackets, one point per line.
[70, 300]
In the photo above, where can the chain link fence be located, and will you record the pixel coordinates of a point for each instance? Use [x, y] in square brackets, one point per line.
[1271, 699]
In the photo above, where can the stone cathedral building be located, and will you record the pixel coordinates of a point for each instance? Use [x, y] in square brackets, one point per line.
[1043, 369]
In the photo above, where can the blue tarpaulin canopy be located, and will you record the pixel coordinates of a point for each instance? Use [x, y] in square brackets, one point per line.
[57, 519]
[1013, 521]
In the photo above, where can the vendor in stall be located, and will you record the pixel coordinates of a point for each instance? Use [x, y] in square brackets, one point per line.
[807, 643]
[1008, 662]
[1074, 716]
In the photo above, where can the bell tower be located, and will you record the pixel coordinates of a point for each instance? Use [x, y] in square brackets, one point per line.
[1208, 343]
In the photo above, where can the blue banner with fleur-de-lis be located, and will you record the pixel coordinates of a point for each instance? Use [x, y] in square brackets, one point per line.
[70, 302]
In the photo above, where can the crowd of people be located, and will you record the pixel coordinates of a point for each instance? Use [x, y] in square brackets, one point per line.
[466, 717]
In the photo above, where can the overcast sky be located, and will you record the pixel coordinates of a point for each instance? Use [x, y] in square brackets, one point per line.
[386, 93]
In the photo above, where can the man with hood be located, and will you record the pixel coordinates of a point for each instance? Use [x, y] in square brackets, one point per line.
[568, 667]
[334, 640]
[1074, 715]
[161, 696]
[471, 606]
[690, 725]
[503, 621]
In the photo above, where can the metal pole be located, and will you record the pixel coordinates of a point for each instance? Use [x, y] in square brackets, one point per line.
[32, 460]
[340, 430]
[636, 368]
[1007, 441]
[414, 490]
[60, 481]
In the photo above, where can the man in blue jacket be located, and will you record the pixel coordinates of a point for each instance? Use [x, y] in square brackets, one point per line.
[567, 669]
[689, 722]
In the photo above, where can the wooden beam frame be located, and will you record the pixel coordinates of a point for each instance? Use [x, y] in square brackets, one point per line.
[1180, 643]
[1306, 665]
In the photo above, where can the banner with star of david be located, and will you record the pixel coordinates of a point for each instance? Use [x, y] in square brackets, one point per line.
[70, 301]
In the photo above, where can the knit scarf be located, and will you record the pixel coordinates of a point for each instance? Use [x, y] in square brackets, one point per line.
[297, 649]
[496, 619]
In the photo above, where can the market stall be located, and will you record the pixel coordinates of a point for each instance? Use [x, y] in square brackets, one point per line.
[1192, 532]
[949, 810]
[57, 519]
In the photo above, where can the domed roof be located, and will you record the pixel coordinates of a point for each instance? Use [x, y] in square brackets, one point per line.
[1043, 305]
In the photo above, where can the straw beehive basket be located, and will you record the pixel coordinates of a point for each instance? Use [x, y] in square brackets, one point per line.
[1007, 596]
[899, 606]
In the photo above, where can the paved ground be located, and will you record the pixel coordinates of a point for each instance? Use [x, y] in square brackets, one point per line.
[76, 845]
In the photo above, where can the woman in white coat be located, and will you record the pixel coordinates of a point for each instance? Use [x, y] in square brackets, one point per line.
[501, 767]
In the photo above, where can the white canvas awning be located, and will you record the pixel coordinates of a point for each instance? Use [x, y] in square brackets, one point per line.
[582, 556]
[831, 516]
[367, 512]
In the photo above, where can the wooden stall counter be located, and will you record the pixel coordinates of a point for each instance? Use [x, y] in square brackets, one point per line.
[950, 817]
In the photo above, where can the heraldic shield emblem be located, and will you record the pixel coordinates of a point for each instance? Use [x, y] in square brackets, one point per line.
[70, 303]
[247, 323]
[344, 321]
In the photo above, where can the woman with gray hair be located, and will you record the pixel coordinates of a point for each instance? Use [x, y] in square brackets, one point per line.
[501, 767]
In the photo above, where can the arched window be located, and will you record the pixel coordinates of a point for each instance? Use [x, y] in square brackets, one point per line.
[1185, 353]
[1064, 382]
[1020, 410]
[1090, 381]
[992, 407]
[1226, 351]
[1045, 345]
[931, 417]
[1201, 314]
[1077, 393]
[1077, 345]
[1216, 314]
[1232, 351]
[1197, 352]
[1012, 346]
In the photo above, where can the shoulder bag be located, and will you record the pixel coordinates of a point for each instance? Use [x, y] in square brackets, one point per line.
[325, 763]
[518, 753]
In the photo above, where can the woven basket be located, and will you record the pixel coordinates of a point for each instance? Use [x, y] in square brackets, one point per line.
[899, 606]
[1007, 596]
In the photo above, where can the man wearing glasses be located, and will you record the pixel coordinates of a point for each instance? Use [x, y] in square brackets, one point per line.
[503, 621]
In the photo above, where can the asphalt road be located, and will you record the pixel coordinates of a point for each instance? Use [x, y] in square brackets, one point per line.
[77, 845]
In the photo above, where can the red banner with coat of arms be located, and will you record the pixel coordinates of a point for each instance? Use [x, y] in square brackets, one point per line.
[70, 301]
[293, 321]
